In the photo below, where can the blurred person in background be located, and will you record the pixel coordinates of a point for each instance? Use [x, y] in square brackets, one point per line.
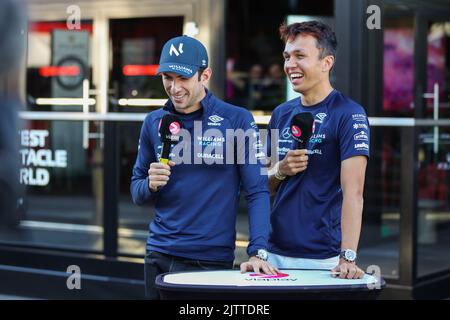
[274, 89]
[255, 86]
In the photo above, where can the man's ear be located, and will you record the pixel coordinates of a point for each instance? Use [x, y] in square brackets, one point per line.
[206, 75]
[328, 63]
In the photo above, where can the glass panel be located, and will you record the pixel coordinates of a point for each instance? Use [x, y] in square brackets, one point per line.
[254, 60]
[433, 202]
[434, 157]
[133, 219]
[380, 234]
[137, 44]
[438, 69]
[58, 61]
[62, 207]
[398, 67]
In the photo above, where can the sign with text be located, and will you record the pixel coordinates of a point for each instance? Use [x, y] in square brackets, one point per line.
[36, 158]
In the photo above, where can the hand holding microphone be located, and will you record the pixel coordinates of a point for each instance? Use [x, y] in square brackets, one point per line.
[159, 172]
[296, 160]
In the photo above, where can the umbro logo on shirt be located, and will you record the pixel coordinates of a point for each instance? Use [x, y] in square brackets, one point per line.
[215, 120]
[320, 117]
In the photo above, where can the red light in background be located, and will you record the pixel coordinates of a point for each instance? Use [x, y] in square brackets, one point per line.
[140, 70]
[55, 71]
[48, 27]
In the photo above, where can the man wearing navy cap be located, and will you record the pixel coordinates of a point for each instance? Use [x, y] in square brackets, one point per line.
[196, 201]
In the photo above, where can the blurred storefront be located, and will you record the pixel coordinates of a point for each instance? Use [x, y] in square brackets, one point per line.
[88, 83]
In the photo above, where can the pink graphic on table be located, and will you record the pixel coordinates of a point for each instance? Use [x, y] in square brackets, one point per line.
[269, 276]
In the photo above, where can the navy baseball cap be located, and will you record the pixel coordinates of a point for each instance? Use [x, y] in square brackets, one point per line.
[183, 55]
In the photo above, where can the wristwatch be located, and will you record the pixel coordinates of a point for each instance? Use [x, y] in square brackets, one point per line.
[348, 255]
[262, 254]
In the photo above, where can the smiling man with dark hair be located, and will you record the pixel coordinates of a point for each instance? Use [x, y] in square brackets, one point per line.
[196, 203]
[317, 212]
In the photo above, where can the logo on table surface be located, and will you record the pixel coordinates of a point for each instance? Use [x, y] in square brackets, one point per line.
[270, 277]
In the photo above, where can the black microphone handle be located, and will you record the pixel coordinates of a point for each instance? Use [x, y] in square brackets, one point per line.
[165, 152]
[301, 145]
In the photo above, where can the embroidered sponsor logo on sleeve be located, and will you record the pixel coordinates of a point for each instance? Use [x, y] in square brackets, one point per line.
[361, 146]
[361, 136]
[359, 117]
[357, 126]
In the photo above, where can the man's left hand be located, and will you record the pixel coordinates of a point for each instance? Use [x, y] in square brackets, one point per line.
[258, 266]
[347, 270]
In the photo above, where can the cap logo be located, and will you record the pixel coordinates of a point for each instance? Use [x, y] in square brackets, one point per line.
[174, 50]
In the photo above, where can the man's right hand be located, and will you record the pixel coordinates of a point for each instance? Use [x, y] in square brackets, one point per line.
[158, 175]
[294, 162]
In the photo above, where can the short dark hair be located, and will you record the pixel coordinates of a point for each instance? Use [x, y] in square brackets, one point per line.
[325, 37]
[200, 72]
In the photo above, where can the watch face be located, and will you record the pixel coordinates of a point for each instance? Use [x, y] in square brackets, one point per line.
[262, 254]
[350, 255]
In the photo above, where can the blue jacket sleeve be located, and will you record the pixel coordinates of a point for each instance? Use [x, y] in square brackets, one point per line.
[139, 188]
[255, 185]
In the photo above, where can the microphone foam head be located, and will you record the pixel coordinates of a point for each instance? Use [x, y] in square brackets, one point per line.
[169, 128]
[301, 128]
